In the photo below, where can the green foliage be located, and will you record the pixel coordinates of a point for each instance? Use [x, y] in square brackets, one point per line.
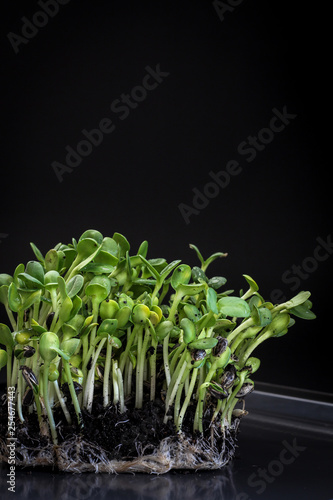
[139, 327]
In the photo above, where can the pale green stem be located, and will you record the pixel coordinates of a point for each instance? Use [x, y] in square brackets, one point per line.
[231, 398]
[89, 389]
[217, 409]
[187, 399]
[73, 393]
[128, 375]
[152, 361]
[230, 410]
[11, 318]
[253, 345]
[142, 349]
[106, 379]
[177, 298]
[179, 393]
[245, 324]
[173, 393]
[166, 359]
[175, 376]
[15, 371]
[47, 402]
[163, 293]
[138, 366]
[130, 341]
[9, 365]
[198, 425]
[115, 382]
[121, 391]
[36, 310]
[62, 402]
[19, 394]
[95, 310]
[175, 357]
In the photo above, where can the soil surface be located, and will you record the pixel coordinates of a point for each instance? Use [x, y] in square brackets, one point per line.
[122, 436]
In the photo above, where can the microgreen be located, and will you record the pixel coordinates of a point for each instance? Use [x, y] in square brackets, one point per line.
[89, 315]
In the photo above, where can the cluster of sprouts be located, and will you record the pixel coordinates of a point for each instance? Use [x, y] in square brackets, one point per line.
[89, 318]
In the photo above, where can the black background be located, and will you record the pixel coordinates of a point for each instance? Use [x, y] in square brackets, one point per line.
[225, 77]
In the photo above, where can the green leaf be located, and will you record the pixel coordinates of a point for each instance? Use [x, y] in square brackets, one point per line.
[62, 288]
[122, 242]
[163, 329]
[143, 249]
[216, 282]
[86, 249]
[52, 260]
[299, 299]
[77, 304]
[98, 288]
[70, 255]
[123, 316]
[170, 267]
[4, 294]
[234, 306]
[30, 299]
[212, 300]
[48, 345]
[125, 300]
[31, 281]
[279, 325]
[140, 314]
[36, 270]
[196, 249]
[5, 279]
[190, 290]
[3, 358]
[159, 264]
[303, 311]
[37, 327]
[204, 343]
[198, 274]
[51, 279]
[38, 253]
[65, 309]
[206, 321]
[107, 327]
[92, 234]
[6, 336]
[14, 299]
[188, 330]
[70, 346]
[151, 268]
[96, 268]
[61, 353]
[253, 285]
[254, 363]
[19, 269]
[105, 259]
[213, 257]
[108, 309]
[110, 245]
[192, 312]
[115, 341]
[181, 276]
[74, 285]
[261, 316]
[72, 327]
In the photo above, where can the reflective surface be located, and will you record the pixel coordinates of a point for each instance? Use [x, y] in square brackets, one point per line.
[277, 458]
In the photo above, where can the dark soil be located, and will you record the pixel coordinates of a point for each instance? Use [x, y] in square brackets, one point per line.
[121, 436]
